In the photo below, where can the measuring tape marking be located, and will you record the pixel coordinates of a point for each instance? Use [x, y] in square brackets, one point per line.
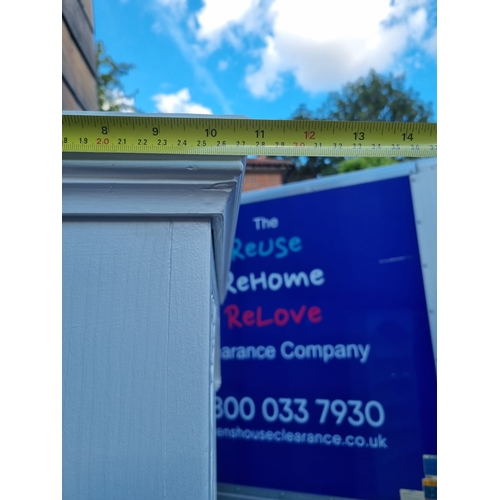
[127, 133]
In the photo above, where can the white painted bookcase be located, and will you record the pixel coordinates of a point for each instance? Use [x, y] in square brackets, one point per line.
[146, 253]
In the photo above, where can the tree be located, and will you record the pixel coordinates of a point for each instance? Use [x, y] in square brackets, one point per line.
[110, 92]
[373, 98]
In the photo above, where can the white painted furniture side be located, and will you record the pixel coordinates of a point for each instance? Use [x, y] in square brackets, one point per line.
[146, 251]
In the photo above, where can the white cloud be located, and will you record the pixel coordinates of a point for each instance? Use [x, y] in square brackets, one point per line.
[230, 20]
[417, 24]
[322, 43]
[216, 15]
[323, 52]
[179, 102]
[116, 97]
[267, 81]
[400, 8]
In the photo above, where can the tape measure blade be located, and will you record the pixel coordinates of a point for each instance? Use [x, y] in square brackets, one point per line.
[161, 134]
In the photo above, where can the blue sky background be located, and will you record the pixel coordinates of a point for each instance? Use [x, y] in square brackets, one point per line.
[263, 58]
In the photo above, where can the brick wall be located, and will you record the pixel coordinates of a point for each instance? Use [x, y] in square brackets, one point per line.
[261, 180]
[79, 85]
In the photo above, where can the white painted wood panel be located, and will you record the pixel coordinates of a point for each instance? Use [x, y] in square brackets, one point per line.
[136, 359]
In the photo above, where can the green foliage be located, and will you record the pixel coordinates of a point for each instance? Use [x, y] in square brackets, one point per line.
[353, 164]
[110, 92]
[373, 98]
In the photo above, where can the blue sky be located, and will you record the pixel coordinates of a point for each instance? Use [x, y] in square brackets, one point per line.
[263, 58]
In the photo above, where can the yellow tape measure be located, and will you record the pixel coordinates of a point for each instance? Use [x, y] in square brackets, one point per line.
[159, 134]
